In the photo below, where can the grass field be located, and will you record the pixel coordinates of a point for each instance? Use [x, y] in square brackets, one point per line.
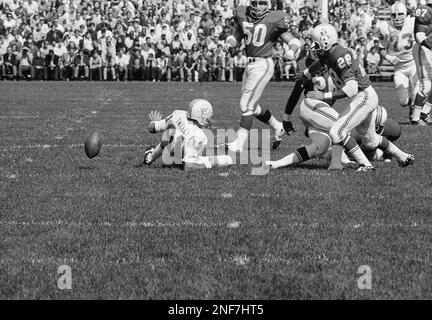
[159, 233]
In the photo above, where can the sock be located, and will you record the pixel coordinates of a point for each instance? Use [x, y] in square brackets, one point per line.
[246, 122]
[418, 106]
[390, 149]
[300, 155]
[157, 152]
[426, 108]
[242, 135]
[274, 123]
[352, 149]
[264, 117]
[336, 156]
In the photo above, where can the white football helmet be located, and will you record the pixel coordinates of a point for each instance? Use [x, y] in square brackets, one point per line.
[398, 14]
[324, 37]
[259, 8]
[201, 111]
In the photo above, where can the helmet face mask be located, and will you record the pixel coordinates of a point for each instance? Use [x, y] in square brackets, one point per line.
[201, 111]
[259, 8]
[398, 14]
[316, 50]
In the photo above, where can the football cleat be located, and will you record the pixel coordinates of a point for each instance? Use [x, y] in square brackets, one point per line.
[147, 152]
[426, 118]
[270, 164]
[409, 161]
[418, 123]
[278, 138]
[365, 168]
[288, 127]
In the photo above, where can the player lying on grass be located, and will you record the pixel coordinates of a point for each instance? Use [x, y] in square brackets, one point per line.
[184, 140]
[318, 117]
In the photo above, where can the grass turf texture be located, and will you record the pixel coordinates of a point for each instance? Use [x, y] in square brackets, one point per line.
[159, 233]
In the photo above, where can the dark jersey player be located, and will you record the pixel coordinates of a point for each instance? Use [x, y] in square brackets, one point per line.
[351, 82]
[260, 28]
[422, 53]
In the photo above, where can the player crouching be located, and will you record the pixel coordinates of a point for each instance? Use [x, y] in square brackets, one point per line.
[184, 140]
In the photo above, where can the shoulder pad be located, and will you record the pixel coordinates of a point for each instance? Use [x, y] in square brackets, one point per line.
[338, 51]
[277, 15]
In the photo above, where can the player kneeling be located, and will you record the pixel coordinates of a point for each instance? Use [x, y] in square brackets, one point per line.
[183, 140]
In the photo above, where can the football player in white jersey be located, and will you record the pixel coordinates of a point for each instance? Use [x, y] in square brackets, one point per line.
[183, 140]
[398, 41]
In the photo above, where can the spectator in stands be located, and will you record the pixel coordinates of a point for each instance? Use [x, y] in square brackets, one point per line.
[25, 66]
[175, 68]
[39, 66]
[82, 64]
[51, 66]
[240, 62]
[95, 66]
[201, 71]
[54, 35]
[136, 66]
[150, 68]
[373, 60]
[122, 62]
[162, 67]
[10, 64]
[190, 68]
[109, 65]
[278, 56]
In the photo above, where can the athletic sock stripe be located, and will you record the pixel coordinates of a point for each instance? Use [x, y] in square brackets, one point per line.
[299, 157]
[353, 150]
[346, 122]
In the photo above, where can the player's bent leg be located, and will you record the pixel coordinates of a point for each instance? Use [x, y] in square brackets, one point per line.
[255, 78]
[402, 84]
[319, 146]
[207, 162]
[371, 141]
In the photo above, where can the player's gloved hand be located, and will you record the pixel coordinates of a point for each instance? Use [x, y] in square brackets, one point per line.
[288, 127]
[300, 77]
[155, 116]
[318, 95]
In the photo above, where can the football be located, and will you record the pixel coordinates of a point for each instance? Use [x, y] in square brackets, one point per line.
[93, 144]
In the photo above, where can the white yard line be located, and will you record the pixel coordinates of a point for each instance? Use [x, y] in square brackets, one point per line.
[187, 223]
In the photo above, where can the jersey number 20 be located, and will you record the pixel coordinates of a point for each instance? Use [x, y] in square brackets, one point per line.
[255, 35]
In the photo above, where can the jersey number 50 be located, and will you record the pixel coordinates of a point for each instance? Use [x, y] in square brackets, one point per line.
[255, 35]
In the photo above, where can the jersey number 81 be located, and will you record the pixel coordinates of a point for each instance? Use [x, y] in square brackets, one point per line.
[255, 35]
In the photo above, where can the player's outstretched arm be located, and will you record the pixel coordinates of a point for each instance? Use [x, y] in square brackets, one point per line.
[157, 124]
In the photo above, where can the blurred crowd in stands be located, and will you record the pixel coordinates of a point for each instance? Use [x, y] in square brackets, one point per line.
[159, 40]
